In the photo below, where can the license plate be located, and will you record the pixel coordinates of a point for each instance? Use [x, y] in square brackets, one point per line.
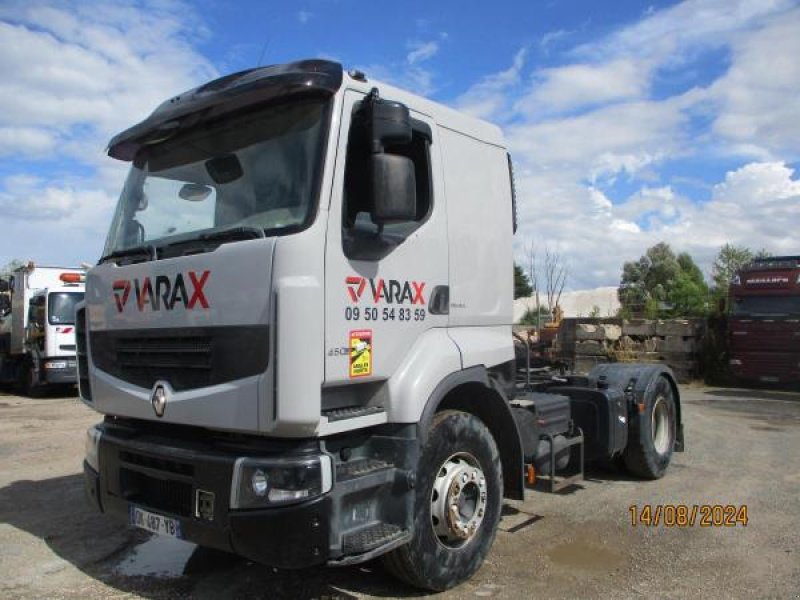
[160, 524]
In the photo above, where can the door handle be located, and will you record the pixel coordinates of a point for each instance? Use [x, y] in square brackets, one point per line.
[439, 302]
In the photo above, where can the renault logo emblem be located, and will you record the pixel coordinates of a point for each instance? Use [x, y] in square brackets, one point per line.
[159, 400]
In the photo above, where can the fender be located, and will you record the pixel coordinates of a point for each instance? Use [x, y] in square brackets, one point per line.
[472, 390]
[634, 380]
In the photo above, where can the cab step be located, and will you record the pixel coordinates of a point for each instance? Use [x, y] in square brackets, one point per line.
[338, 420]
[351, 412]
[372, 537]
[360, 468]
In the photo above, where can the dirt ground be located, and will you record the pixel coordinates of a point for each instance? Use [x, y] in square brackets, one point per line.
[743, 448]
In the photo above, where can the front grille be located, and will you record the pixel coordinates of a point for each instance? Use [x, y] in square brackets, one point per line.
[187, 358]
[161, 494]
[183, 361]
[81, 355]
[161, 464]
[67, 347]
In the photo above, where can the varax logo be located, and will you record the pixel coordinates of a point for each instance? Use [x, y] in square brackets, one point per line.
[388, 290]
[162, 292]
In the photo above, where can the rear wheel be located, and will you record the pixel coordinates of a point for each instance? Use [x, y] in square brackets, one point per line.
[649, 454]
[30, 382]
[458, 500]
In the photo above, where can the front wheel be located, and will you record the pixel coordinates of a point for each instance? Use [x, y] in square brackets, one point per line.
[458, 500]
[650, 453]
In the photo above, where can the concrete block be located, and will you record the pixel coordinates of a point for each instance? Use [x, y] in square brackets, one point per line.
[639, 328]
[677, 343]
[600, 332]
[591, 348]
[586, 331]
[681, 327]
[628, 344]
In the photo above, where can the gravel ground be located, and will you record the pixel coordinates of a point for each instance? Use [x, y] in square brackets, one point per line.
[742, 449]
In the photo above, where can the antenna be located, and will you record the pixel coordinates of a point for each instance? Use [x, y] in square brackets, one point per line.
[263, 52]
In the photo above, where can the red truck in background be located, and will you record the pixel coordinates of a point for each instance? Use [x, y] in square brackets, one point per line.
[764, 323]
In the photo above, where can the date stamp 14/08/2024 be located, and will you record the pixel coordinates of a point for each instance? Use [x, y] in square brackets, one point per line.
[688, 515]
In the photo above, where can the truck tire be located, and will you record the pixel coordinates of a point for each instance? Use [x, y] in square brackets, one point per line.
[30, 383]
[648, 454]
[458, 500]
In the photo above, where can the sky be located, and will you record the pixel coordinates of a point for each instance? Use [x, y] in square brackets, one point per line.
[629, 123]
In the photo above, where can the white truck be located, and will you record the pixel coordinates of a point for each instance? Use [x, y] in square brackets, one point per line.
[299, 334]
[37, 326]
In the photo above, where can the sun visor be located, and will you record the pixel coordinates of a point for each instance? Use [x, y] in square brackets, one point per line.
[227, 95]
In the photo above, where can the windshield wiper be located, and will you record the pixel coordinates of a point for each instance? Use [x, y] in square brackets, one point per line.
[204, 240]
[239, 232]
[147, 251]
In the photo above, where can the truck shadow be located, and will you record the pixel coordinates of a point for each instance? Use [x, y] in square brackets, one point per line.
[786, 394]
[55, 511]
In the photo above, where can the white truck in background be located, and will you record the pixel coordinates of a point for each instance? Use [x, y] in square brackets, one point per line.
[299, 334]
[37, 326]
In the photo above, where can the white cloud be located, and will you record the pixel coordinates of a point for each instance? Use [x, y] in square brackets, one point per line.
[26, 141]
[48, 222]
[757, 98]
[573, 86]
[578, 130]
[96, 68]
[600, 142]
[488, 98]
[421, 51]
[552, 37]
[73, 75]
[412, 73]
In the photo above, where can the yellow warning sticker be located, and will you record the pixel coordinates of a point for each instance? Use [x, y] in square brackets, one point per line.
[361, 353]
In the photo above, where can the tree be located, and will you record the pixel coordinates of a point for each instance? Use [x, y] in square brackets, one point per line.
[532, 319]
[11, 266]
[729, 260]
[522, 286]
[535, 312]
[555, 272]
[661, 284]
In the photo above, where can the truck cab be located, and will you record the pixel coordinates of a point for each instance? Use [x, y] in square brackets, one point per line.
[764, 321]
[37, 326]
[299, 331]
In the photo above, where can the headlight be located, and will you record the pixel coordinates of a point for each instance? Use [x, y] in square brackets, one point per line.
[56, 364]
[735, 362]
[93, 435]
[258, 482]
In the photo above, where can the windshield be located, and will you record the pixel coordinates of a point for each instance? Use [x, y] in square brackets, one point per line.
[61, 307]
[766, 306]
[259, 171]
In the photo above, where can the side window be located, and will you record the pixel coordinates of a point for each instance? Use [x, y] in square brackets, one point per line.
[362, 239]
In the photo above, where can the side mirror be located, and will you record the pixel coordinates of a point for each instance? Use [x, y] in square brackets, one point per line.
[390, 123]
[394, 189]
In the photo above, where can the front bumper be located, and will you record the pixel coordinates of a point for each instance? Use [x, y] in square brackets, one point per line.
[767, 367]
[165, 479]
[64, 375]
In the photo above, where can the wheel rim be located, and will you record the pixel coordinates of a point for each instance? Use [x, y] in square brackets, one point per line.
[660, 427]
[458, 500]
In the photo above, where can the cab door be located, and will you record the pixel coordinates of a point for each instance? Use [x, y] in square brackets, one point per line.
[384, 286]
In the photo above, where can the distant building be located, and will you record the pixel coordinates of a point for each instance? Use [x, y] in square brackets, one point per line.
[575, 304]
